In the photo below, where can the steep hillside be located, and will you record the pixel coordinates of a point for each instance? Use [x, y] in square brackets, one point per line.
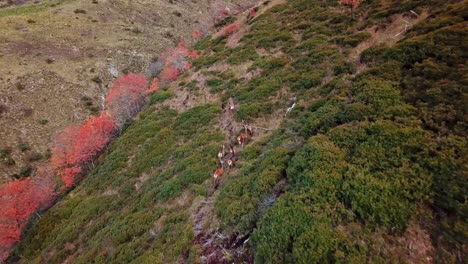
[348, 134]
[59, 57]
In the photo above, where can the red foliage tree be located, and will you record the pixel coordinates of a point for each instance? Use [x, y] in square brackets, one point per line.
[17, 203]
[126, 97]
[18, 200]
[92, 137]
[78, 145]
[174, 62]
[69, 175]
[169, 74]
[177, 58]
[63, 144]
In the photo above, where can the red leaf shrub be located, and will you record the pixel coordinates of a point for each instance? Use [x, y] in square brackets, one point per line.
[130, 84]
[169, 74]
[175, 62]
[126, 97]
[69, 175]
[197, 34]
[193, 54]
[18, 200]
[230, 29]
[77, 146]
[178, 57]
[63, 144]
[93, 136]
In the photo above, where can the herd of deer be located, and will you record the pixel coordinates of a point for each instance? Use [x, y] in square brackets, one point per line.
[228, 159]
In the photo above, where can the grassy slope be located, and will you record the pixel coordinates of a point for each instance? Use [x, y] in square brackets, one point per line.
[367, 168]
[55, 49]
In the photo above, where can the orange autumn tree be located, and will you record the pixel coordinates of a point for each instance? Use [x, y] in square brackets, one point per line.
[352, 4]
[154, 86]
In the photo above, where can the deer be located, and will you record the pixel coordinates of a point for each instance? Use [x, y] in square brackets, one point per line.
[231, 150]
[221, 153]
[231, 104]
[248, 129]
[244, 136]
[242, 139]
[217, 174]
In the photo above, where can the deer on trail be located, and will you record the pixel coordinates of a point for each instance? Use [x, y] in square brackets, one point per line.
[242, 139]
[244, 136]
[248, 129]
[232, 157]
[221, 153]
[231, 150]
[217, 174]
[231, 104]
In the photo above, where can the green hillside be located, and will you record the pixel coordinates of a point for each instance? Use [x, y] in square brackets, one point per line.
[369, 166]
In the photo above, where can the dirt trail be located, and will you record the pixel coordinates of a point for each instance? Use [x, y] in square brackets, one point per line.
[214, 246]
[390, 35]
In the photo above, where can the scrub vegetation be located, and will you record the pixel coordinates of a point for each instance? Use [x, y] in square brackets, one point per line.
[358, 152]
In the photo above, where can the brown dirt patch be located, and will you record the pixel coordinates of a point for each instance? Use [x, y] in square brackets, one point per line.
[391, 34]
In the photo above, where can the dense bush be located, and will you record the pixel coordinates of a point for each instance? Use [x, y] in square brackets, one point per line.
[354, 39]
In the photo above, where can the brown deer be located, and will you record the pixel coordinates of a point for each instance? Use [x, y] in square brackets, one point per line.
[244, 136]
[216, 175]
[242, 139]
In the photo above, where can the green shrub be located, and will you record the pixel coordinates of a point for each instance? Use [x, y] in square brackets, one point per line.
[377, 93]
[188, 122]
[96, 79]
[353, 40]
[253, 110]
[215, 85]
[160, 96]
[242, 54]
[43, 121]
[205, 61]
[24, 146]
[25, 171]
